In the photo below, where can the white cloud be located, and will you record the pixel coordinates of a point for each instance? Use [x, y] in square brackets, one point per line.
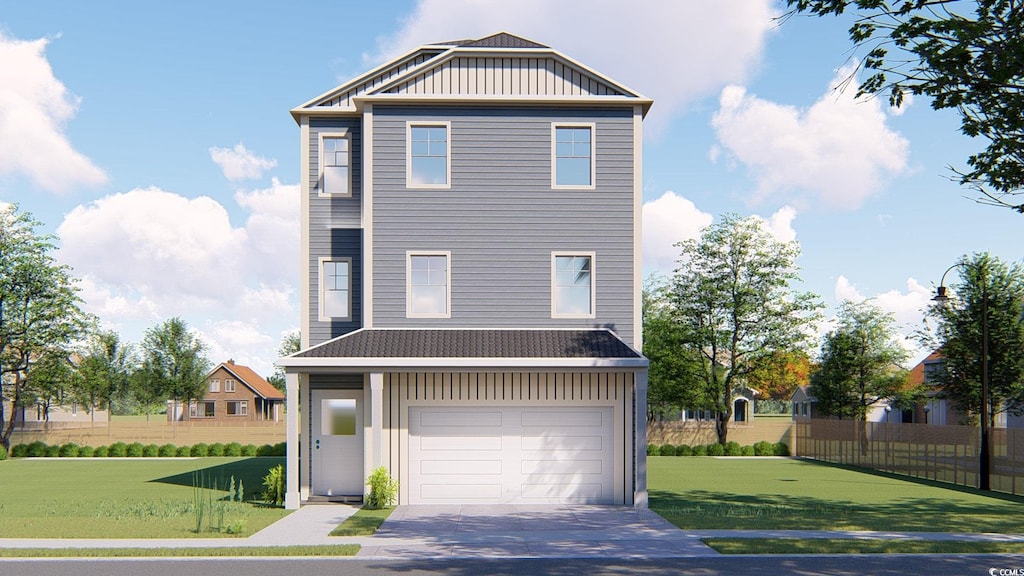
[245, 342]
[668, 220]
[839, 151]
[906, 307]
[34, 106]
[238, 163]
[780, 224]
[657, 47]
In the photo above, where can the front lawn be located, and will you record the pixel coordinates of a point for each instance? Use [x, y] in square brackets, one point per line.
[783, 494]
[130, 498]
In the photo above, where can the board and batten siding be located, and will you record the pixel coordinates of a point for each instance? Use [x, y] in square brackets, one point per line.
[501, 219]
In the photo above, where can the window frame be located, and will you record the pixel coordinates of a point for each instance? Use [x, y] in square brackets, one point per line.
[229, 385]
[322, 312]
[409, 125]
[409, 312]
[213, 385]
[554, 283]
[554, 156]
[321, 183]
[241, 408]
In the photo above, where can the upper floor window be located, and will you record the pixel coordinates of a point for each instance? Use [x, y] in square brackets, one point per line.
[572, 283]
[572, 156]
[229, 385]
[428, 156]
[427, 294]
[214, 385]
[336, 161]
[335, 289]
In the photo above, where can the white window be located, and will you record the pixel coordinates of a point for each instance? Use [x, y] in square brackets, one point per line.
[572, 156]
[572, 285]
[335, 165]
[193, 410]
[214, 385]
[428, 155]
[206, 409]
[335, 289]
[238, 408]
[229, 385]
[428, 278]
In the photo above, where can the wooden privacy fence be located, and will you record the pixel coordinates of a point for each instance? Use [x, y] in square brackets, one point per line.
[942, 453]
[157, 431]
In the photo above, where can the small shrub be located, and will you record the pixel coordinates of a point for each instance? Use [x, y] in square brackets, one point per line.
[118, 450]
[167, 451]
[86, 452]
[747, 451]
[383, 489]
[150, 450]
[781, 449]
[274, 486]
[716, 449]
[733, 448]
[101, 452]
[19, 450]
[653, 450]
[36, 449]
[69, 450]
[684, 450]
[3, 453]
[700, 450]
[183, 451]
[216, 449]
[265, 450]
[200, 449]
[52, 451]
[764, 448]
[249, 450]
[233, 449]
[280, 449]
[668, 450]
[134, 450]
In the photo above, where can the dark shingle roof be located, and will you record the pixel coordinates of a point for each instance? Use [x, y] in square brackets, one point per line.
[500, 40]
[392, 343]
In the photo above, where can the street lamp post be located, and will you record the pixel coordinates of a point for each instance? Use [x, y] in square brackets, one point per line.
[941, 298]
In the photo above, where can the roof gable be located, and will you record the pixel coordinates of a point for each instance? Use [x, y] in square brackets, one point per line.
[251, 380]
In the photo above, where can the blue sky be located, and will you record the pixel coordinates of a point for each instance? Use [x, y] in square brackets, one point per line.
[154, 140]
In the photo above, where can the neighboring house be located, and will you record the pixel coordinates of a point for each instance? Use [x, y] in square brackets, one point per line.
[804, 404]
[471, 282]
[234, 394]
[39, 415]
[940, 411]
[743, 401]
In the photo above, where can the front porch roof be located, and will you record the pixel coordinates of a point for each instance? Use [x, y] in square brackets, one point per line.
[469, 348]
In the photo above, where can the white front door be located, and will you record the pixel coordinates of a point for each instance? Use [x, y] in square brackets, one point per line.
[337, 449]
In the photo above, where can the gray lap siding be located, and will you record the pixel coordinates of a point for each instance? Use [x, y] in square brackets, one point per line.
[501, 219]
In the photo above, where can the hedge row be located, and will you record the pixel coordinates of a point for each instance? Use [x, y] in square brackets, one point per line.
[762, 448]
[39, 449]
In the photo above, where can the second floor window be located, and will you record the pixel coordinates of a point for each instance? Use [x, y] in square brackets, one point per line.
[573, 157]
[336, 176]
[428, 156]
[214, 385]
[573, 286]
[336, 289]
[229, 385]
[428, 279]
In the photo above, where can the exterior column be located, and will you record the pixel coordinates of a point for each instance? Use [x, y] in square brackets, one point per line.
[376, 420]
[292, 498]
[640, 450]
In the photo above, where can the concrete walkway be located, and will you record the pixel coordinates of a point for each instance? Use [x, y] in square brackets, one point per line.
[505, 531]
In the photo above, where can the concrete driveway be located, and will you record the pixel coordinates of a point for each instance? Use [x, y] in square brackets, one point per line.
[528, 531]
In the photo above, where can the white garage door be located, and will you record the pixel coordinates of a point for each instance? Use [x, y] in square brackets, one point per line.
[510, 455]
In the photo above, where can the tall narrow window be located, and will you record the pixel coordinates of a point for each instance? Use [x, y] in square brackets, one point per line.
[428, 279]
[336, 289]
[428, 156]
[214, 385]
[337, 159]
[573, 157]
[572, 286]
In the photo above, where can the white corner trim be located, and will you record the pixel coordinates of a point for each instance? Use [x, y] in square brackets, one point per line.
[304, 254]
[366, 207]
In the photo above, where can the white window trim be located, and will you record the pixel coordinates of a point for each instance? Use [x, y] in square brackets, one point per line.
[593, 284]
[409, 125]
[322, 289]
[213, 385]
[241, 408]
[230, 388]
[320, 165]
[593, 156]
[408, 283]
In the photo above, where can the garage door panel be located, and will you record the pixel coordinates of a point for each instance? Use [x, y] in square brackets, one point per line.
[460, 467]
[566, 467]
[574, 493]
[555, 420]
[459, 443]
[566, 444]
[452, 419]
[460, 492]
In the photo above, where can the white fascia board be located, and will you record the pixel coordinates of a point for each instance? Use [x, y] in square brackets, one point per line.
[583, 101]
[391, 364]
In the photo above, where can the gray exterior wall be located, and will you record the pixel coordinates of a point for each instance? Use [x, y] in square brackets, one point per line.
[501, 219]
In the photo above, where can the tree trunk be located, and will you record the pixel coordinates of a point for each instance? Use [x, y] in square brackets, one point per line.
[722, 426]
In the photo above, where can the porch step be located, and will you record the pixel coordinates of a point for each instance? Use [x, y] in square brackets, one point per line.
[333, 499]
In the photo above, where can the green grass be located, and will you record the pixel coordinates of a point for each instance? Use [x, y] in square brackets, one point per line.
[321, 550]
[784, 494]
[363, 523]
[101, 498]
[833, 546]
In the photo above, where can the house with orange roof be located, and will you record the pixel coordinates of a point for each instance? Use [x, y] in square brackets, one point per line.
[235, 393]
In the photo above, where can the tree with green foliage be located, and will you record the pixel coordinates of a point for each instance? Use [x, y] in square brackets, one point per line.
[173, 362]
[290, 344]
[985, 283]
[51, 381]
[673, 365]
[966, 56]
[39, 307]
[733, 298]
[861, 362]
[780, 373]
[104, 370]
